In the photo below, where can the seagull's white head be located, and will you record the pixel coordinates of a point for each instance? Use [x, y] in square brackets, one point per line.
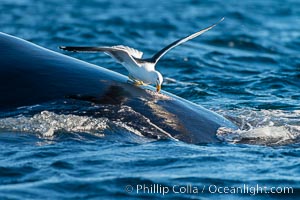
[157, 79]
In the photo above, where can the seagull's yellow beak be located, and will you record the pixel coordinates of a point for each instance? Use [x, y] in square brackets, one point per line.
[158, 87]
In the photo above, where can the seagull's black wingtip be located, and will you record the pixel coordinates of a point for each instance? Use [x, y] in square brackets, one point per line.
[222, 19]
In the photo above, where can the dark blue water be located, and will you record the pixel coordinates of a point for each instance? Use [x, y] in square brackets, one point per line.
[247, 69]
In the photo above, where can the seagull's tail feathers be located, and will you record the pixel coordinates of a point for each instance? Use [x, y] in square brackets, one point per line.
[83, 49]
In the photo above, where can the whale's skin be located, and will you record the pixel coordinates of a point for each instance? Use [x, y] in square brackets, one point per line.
[30, 74]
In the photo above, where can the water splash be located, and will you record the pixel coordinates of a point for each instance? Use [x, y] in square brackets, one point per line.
[114, 122]
[48, 123]
[265, 127]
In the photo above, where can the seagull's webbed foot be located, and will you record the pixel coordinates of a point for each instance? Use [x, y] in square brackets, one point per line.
[135, 81]
[138, 83]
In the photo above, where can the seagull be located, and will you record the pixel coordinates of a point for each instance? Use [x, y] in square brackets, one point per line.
[141, 70]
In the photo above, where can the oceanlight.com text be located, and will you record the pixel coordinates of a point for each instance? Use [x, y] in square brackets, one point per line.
[207, 189]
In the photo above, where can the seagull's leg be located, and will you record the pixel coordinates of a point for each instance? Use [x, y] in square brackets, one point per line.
[131, 79]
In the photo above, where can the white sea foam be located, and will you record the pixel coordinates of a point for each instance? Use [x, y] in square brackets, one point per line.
[267, 127]
[47, 123]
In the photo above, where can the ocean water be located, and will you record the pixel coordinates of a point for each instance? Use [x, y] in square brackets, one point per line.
[247, 69]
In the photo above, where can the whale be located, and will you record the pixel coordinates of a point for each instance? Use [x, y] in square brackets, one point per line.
[31, 74]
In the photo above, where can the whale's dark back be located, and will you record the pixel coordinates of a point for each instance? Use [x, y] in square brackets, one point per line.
[30, 74]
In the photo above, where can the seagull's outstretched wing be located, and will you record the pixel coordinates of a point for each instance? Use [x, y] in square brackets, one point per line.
[121, 54]
[162, 52]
